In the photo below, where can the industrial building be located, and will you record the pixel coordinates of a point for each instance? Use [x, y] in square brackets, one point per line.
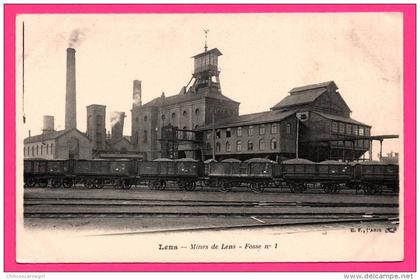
[201, 122]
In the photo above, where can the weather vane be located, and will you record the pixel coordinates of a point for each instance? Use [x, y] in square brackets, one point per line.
[205, 36]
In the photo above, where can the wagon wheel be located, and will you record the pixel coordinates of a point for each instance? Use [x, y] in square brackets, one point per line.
[161, 185]
[30, 183]
[99, 184]
[328, 188]
[378, 189]
[42, 183]
[67, 183]
[125, 184]
[369, 189]
[224, 186]
[257, 187]
[56, 183]
[182, 185]
[154, 185]
[190, 186]
[297, 188]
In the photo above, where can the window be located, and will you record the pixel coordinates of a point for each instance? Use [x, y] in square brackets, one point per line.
[239, 131]
[218, 146]
[228, 133]
[163, 117]
[273, 144]
[42, 149]
[334, 127]
[250, 145]
[361, 131]
[288, 128]
[197, 111]
[262, 129]
[208, 135]
[262, 145]
[227, 147]
[341, 128]
[51, 148]
[184, 133]
[348, 129]
[355, 132]
[145, 136]
[145, 118]
[184, 113]
[274, 128]
[250, 130]
[218, 133]
[367, 131]
[37, 149]
[238, 146]
[173, 115]
[46, 150]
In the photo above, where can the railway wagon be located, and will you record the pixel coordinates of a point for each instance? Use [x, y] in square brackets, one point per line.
[297, 173]
[99, 172]
[333, 175]
[374, 176]
[41, 173]
[229, 173]
[185, 172]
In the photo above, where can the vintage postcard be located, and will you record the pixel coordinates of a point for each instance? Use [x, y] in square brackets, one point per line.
[210, 137]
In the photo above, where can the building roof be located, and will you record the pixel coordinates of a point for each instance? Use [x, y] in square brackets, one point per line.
[215, 50]
[250, 119]
[340, 118]
[179, 98]
[313, 86]
[302, 98]
[49, 136]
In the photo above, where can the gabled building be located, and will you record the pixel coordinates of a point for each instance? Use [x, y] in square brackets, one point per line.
[294, 127]
[200, 122]
[62, 144]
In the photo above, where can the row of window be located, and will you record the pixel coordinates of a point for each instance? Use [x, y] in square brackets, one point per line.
[349, 129]
[274, 129]
[163, 116]
[250, 145]
[38, 150]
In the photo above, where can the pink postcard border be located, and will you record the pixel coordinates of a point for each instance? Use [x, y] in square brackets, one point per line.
[12, 10]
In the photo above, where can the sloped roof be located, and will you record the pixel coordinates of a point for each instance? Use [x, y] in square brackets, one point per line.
[179, 98]
[49, 136]
[313, 86]
[249, 119]
[300, 98]
[340, 118]
[215, 50]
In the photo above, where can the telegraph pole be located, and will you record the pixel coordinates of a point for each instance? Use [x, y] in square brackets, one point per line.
[297, 137]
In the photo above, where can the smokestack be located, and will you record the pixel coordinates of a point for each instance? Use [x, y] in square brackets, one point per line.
[136, 93]
[48, 124]
[71, 89]
[117, 125]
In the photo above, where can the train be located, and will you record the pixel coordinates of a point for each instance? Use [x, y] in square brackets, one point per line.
[257, 174]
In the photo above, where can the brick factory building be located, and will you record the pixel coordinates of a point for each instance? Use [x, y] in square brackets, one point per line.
[200, 122]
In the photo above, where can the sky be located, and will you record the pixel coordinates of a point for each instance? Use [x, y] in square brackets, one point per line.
[264, 56]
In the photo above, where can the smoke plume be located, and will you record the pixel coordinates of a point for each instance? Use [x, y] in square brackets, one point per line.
[115, 118]
[76, 38]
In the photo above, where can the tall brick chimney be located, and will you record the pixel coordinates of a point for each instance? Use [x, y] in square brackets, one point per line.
[136, 93]
[70, 117]
[117, 125]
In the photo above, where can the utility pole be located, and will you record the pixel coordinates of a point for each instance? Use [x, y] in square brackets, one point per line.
[297, 137]
[213, 136]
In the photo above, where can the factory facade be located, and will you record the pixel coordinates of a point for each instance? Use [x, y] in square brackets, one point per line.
[200, 122]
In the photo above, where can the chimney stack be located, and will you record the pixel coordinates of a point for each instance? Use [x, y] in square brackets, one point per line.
[117, 125]
[48, 124]
[136, 93]
[70, 117]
